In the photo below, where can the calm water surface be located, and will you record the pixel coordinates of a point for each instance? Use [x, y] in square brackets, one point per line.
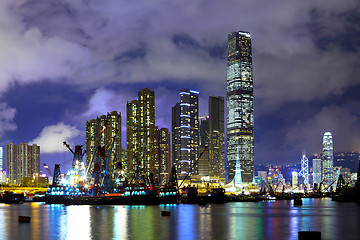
[261, 220]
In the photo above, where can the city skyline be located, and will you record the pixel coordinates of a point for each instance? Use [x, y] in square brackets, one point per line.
[89, 59]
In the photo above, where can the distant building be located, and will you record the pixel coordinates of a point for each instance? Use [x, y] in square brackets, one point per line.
[317, 172]
[345, 172]
[328, 159]
[22, 161]
[1, 158]
[185, 135]
[104, 131]
[35, 181]
[263, 175]
[162, 155]
[140, 129]
[347, 160]
[295, 180]
[204, 160]
[304, 172]
[2, 172]
[240, 108]
[216, 137]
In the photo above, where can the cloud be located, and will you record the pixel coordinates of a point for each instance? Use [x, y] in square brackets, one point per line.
[340, 121]
[302, 79]
[7, 115]
[105, 100]
[52, 137]
[285, 144]
[300, 52]
[92, 45]
[28, 55]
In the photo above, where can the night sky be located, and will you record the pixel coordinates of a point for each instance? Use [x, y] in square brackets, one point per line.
[63, 62]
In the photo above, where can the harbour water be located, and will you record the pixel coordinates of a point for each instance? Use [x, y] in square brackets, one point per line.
[240, 220]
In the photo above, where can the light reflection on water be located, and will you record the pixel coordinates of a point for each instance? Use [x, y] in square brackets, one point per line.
[261, 220]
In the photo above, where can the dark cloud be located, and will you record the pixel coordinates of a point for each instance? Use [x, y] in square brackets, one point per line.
[305, 52]
[7, 115]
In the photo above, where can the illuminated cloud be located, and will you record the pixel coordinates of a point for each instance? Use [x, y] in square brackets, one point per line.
[52, 137]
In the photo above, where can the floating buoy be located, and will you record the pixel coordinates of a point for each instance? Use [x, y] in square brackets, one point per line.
[298, 202]
[24, 219]
[309, 235]
[165, 213]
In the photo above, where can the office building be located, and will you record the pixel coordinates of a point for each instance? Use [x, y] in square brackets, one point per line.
[204, 160]
[317, 171]
[185, 136]
[22, 161]
[216, 137]
[240, 107]
[327, 159]
[104, 131]
[294, 181]
[2, 172]
[140, 120]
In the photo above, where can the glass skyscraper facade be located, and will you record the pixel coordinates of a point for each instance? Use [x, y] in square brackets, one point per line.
[240, 107]
[185, 120]
[216, 136]
[328, 159]
[317, 171]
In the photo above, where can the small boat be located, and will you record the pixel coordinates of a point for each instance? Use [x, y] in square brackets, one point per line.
[297, 202]
[24, 219]
[165, 213]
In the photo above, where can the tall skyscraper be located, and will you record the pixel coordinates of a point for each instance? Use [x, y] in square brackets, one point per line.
[1, 158]
[304, 173]
[328, 159]
[140, 127]
[240, 107]
[105, 131]
[216, 137]
[22, 161]
[2, 172]
[186, 133]
[162, 155]
[317, 171]
[204, 160]
[176, 135]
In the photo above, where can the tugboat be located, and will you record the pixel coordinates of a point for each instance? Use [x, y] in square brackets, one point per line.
[13, 198]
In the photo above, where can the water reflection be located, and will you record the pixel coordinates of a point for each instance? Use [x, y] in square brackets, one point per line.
[262, 220]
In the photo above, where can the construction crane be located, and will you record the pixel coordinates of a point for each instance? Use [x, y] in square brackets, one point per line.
[193, 165]
[76, 174]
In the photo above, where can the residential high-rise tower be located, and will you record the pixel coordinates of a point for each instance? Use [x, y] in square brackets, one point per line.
[240, 107]
[140, 127]
[104, 131]
[162, 155]
[22, 161]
